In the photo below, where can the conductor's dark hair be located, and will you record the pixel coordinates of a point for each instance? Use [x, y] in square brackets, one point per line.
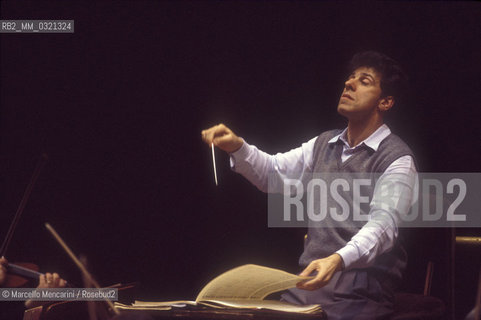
[394, 81]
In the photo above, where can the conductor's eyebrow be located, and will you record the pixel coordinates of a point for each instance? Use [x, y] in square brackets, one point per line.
[362, 74]
[368, 75]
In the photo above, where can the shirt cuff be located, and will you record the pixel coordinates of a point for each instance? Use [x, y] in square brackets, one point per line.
[348, 254]
[240, 155]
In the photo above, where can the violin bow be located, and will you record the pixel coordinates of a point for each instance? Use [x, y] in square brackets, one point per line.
[87, 276]
[41, 162]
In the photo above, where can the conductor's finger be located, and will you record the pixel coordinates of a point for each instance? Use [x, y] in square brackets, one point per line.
[220, 140]
[308, 270]
[208, 135]
[310, 285]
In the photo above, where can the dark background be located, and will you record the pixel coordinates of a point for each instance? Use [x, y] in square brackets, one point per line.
[118, 106]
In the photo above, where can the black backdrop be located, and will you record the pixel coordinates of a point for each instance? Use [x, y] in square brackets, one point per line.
[118, 106]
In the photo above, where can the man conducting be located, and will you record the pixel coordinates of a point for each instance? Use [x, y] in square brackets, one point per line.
[356, 267]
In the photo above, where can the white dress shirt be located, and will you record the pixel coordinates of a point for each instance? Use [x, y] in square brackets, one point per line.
[378, 235]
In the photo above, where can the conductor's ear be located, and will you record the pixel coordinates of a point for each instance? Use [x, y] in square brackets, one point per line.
[386, 103]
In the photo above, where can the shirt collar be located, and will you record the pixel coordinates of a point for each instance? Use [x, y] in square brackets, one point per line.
[373, 141]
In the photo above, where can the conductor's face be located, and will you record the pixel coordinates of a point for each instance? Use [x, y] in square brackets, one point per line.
[361, 95]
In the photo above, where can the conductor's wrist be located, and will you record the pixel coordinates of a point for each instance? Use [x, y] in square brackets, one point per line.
[237, 145]
[238, 148]
[337, 259]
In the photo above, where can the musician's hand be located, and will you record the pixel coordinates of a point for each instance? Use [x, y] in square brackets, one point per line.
[222, 137]
[50, 280]
[3, 270]
[325, 268]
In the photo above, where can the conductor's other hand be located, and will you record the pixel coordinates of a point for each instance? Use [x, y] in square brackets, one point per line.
[223, 138]
[325, 269]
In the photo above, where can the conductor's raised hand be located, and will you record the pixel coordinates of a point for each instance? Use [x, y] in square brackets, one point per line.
[222, 137]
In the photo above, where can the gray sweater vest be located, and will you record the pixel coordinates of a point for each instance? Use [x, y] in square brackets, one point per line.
[331, 236]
